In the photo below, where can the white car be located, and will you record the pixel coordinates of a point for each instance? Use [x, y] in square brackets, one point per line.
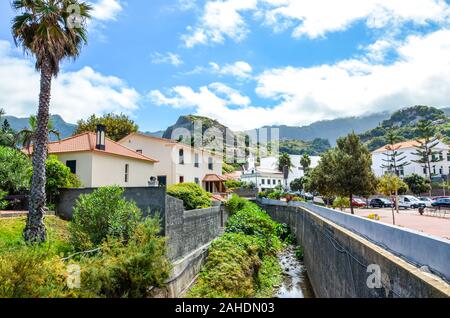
[427, 201]
[409, 202]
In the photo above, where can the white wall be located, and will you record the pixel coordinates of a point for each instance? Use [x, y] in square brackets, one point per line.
[84, 165]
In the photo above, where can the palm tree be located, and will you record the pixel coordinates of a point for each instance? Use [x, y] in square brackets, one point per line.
[305, 162]
[26, 137]
[45, 29]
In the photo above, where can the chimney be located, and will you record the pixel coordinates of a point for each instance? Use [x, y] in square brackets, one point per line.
[100, 140]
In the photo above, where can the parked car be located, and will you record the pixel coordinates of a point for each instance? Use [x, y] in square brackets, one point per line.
[427, 201]
[442, 203]
[359, 203]
[410, 202]
[380, 203]
[307, 196]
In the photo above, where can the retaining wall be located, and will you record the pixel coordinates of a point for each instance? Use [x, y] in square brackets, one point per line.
[337, 256]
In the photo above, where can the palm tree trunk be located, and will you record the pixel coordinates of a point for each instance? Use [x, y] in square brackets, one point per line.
[35, 231]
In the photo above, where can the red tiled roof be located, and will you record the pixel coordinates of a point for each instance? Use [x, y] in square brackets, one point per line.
[233, 175]
[214, 178]
[87, 142]
[401, 145]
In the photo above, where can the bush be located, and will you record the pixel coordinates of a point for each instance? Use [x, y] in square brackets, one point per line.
[127, 269]
[229, 272]
[341, 203]
[3, 204]
[192, 195]
[235, 204]
[233, 184]
[59, 176]
[299, 253]
[276, 195]
[269, 275]
[14, 167]
[255, 222]
[32, 272]
[101, 214]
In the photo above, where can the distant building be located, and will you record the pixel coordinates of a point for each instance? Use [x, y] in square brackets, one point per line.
[439, 169]
[178, 162]
[99, 161]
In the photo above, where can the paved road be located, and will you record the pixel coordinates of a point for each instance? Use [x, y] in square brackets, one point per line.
[413, 220]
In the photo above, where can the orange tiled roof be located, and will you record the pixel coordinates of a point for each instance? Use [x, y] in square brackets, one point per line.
[87, 142]
[233, 175]
[213, 178]
[401, 145]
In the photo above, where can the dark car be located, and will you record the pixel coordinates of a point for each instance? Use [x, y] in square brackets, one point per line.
[380, 203]
[441, 203]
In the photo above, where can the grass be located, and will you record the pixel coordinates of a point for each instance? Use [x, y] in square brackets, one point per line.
[57, 232]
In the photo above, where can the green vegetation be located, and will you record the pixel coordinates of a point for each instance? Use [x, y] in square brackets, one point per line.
[102, 214]
[299, 147]
[226, 168]
[7, 134]
[26, 136]
[14, 167]
[235, 204]
[404, 124]
[117, 126]
[192, 195]
[417, 184]
[391, 185]
[243, 262]
[341, 203]
[345, 170]
[233, 184]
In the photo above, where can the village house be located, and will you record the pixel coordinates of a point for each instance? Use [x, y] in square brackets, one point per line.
[179, 163]
[99, 161]
[440, 169]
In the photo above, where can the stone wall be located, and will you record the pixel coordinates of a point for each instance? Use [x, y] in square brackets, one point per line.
[150, 200]
[338, 260]
[187, 231]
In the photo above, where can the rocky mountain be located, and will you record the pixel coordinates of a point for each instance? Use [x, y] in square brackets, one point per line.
[159, 133]
[64, 128]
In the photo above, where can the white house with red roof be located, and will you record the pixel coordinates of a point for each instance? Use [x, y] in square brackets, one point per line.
[440, 169]
[99, 161]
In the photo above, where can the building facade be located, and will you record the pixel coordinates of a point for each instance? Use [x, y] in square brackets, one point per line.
[179, 163]
[440, 170]
[99, 161]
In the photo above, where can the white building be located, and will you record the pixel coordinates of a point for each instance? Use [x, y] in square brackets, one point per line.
[99, 161]
[267, 175]
[439, 169]
[296, 171]
[179, 163]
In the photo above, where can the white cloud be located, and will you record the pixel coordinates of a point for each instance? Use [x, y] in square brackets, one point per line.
[239, 69]
[168, 58]
[312, 19]
[104, 10]
[358, 86]
[75, 95]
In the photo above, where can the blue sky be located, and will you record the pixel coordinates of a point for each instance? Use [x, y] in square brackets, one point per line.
[247, 63]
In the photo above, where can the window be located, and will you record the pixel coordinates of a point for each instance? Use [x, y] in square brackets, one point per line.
[448, 156]
[181, 179]
[425, 170]
[72, 165]
[441, 171]
[210, 163]
[434, 169]
[139, 151]
[197, 161]
[181, 157]
[263, 181]
[274, 182]
[279, 181]
[162, 181]
[197, 181]
[401, 171]
[441, 156]
[127, 171]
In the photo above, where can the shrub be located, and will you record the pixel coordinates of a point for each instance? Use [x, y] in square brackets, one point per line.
[276, 195]
[341, 203]
[3, 204]
[233, 184]
[101, 214]
[374, 217]
[14, 167]
[192, 195]
[269, 275]
[236, 204]
[255, 222]
[32, 272]
[127, 269]
[58, 176]
[229, 272]
[226, 168]
[299, 253]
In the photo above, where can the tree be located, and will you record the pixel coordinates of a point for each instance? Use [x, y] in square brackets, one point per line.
[427, 142]
[322, 178]
[390, 185]
[6, 133]
[59, 176]
[297, 185]
[14, 167]
[117, 126]
[49, 31]
[417, 184]
[26, 136]
[284, 160]
[305, 162]
[395, 160]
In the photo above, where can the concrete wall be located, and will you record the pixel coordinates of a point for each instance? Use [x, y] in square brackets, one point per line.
[337, 259]
[150, 200]
[187, 231]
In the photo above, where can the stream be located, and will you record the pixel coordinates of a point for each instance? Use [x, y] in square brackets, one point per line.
[296, 283]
